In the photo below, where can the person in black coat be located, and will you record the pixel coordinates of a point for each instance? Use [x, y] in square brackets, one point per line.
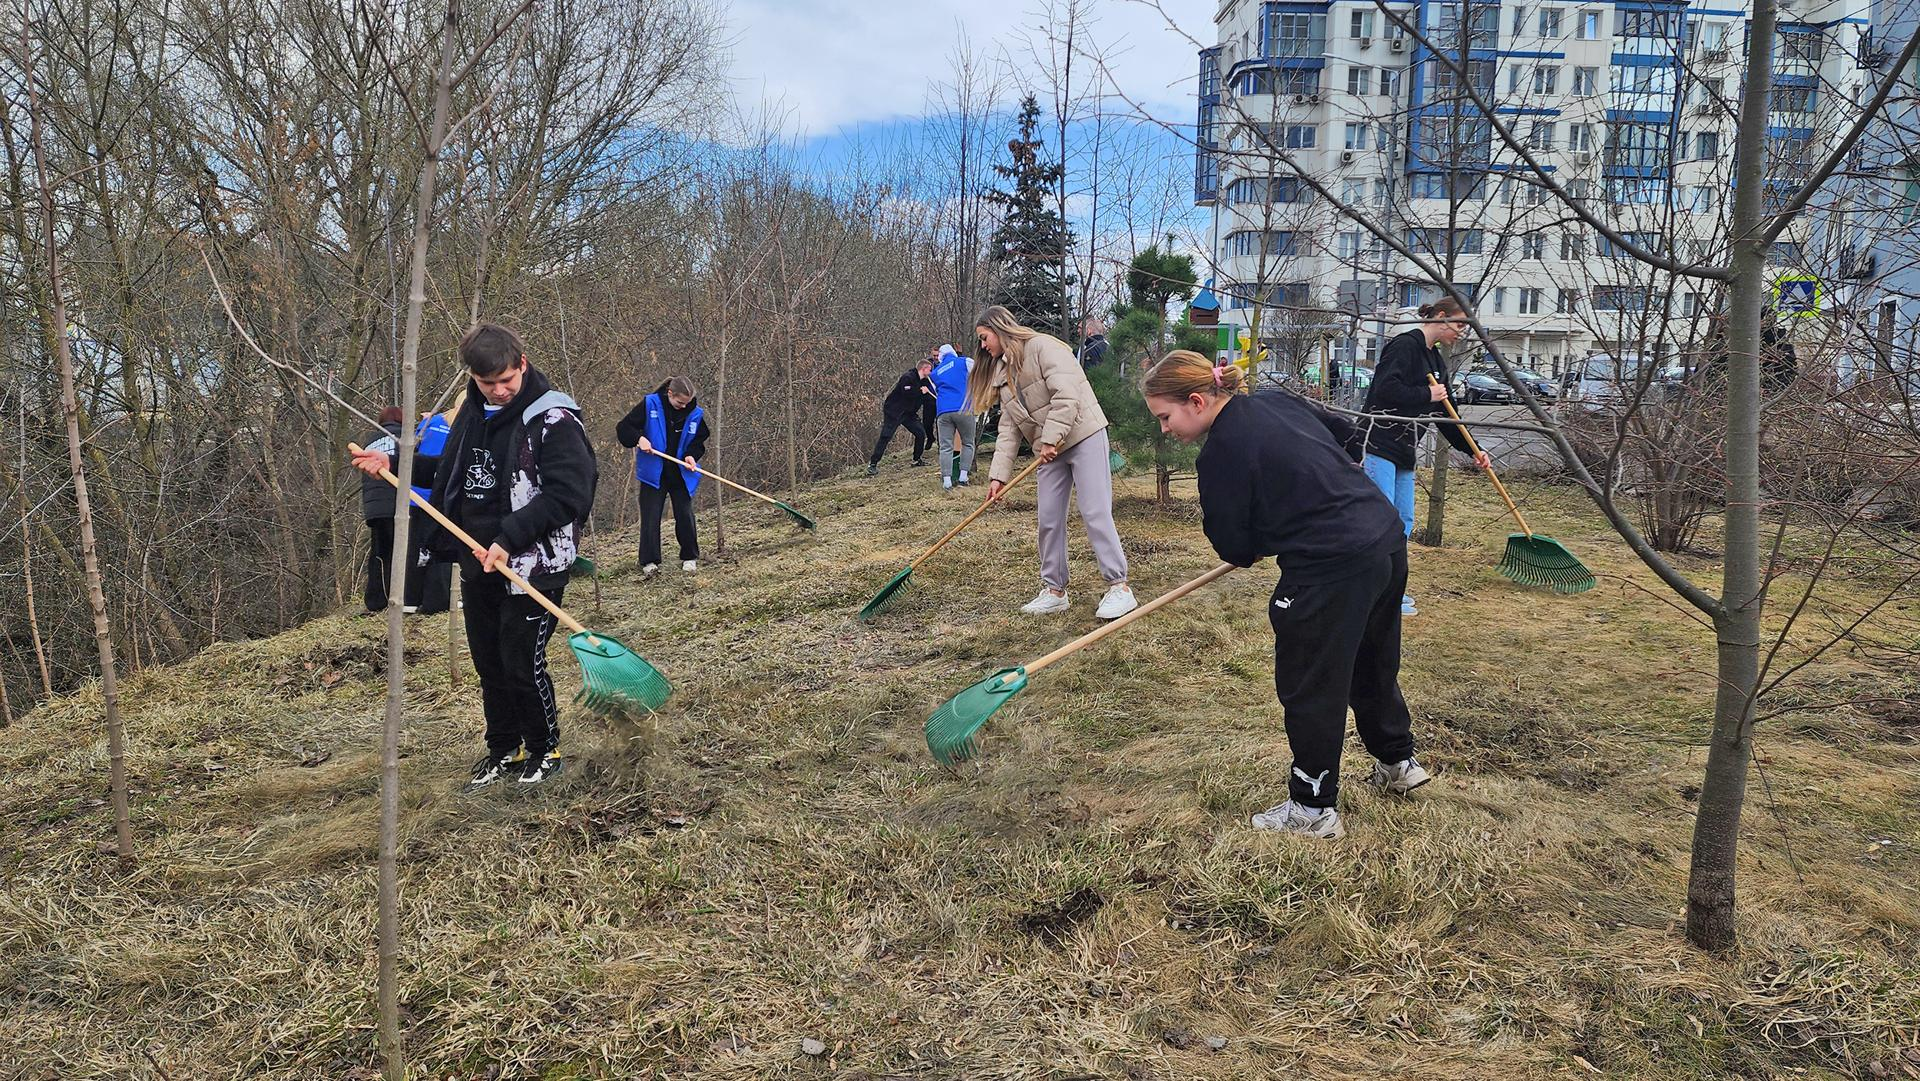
[671, 421]
[912, 394]
[376, 506]
[517, 473]
[1278, 478]
[1400, 388]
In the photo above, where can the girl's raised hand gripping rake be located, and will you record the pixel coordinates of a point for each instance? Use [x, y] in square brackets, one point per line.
[1531, 559]
[613, 677]
[899, 581]
[952, 727]
[800, 519]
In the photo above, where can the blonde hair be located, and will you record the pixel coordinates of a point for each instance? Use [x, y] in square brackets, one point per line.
[1184, 372]
[1013, 353]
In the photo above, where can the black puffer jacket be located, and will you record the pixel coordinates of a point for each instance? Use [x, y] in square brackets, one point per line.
[1400, 387]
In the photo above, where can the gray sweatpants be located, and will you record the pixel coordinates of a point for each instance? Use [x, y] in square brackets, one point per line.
[944, 427]
[1082, 468]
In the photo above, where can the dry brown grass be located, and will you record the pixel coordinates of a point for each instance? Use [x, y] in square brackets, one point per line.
[776, 857]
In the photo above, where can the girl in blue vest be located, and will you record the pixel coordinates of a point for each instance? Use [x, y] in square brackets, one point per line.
[669, 420]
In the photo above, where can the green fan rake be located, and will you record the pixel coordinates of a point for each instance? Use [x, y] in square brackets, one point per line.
[899, 581]
[952, 729]
[614, 679]
[1531, 559]
[799, 519]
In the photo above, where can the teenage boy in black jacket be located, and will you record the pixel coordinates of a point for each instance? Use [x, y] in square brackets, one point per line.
[518, 474]
[1277, 479]
[911, 394]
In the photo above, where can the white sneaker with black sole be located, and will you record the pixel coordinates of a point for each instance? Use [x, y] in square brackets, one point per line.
[545, 769]
[1398, 778]
[1046, 603]
[690, 565]
[648, 570]
[1291, 817]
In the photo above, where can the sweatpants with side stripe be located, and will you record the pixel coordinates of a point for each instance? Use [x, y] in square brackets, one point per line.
[507, 634]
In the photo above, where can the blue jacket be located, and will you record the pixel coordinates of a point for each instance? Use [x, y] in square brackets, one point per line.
[646, 467]
[950, 381]
[432, 440]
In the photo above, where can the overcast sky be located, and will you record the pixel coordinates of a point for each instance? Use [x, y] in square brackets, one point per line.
[837, 64]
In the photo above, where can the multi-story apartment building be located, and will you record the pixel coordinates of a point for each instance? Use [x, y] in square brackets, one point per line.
[1883, 274]
[1626, 106]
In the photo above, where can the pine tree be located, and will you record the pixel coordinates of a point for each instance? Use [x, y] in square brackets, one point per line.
[1032, 240]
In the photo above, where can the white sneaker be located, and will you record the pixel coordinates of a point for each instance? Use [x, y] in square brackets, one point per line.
[1399, 778]
[410, 609]
[963, 476]
[690, 565]
[946, 484]
[649, 570]
[1048, 601]
[1118, 602]
[1290, 817]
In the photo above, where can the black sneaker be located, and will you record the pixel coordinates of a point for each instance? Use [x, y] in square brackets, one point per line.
[490, 770]
[873, 469]
[918, 461]
[537, 770]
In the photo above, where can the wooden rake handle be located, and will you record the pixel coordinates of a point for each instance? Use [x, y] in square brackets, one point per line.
[466, 538]
[1153, 605]
[977, 512]
[682, 463]
[1491, 475]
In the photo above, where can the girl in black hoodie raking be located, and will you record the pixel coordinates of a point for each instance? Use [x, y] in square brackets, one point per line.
[1277, 479]
[1400, 387]
[671, 421]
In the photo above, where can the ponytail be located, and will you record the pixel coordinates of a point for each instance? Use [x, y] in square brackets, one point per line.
[1184, 372]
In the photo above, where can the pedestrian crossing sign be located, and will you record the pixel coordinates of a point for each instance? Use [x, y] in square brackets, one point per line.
[1798, 297]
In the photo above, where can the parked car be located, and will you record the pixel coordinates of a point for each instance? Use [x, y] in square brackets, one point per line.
[1481, 386]
[1537, 384]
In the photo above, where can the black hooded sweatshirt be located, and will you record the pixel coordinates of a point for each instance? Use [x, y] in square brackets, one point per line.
[1277, 478]
[472, 477]
[1400, 387]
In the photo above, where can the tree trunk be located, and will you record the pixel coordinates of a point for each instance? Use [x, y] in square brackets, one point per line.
[76, 466]
[391, 1051]
[1433, 534]
[1716, 827]
[719, 416]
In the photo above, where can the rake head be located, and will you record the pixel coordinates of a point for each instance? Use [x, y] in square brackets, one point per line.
[582, 568]
[1542, 561]
[615, 679]
[951, 728]
[881, 599]
[799, 519]
[1116, 461]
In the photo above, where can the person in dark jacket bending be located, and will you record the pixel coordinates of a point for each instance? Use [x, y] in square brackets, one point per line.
[1400, 387]
[670, 421]
[426, 587]
[1277, 478]
[518, 474]
[912, 394]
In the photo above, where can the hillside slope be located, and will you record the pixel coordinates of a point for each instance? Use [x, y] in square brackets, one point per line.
[776, 858]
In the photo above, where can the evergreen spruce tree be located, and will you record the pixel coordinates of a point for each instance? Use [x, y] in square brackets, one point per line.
[1032, 240]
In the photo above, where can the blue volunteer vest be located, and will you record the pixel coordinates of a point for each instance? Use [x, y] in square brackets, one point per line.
[431, 439]
[646, 467]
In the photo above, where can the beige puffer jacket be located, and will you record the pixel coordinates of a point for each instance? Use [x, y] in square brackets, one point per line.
[1052, 404]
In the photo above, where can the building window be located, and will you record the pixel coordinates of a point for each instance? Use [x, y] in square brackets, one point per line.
[1635, 23]
[1644, 241]
[1546, 79]
[1266, 243]
[1519, 19]
[1707, 146]
[1499, 303]
[1573, 247]
[1435, 241]
[1360, 25]
[1623, 298]
[1793, 99]
[1357, 136]
[1353, 192]
[1690, 304]
[1702, 202]
[1580, 137]
[1580, 189]
[1290, 35]
[1461, 186]
[1533, 246]
[1302, 136]
[1284, 81]
[1541, 136]
[1636, 145]
[1589, 26]
[1713, 36]
[1390, 82]
[1347, 245]
[1359, 80]
[1549, 22]
[1786, 253]
[1567, 302]
[1513, 79]
[1530, 301]
[1586, 80]
[1636, 79]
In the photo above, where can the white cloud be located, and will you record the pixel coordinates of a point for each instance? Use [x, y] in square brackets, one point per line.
[838, 63]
